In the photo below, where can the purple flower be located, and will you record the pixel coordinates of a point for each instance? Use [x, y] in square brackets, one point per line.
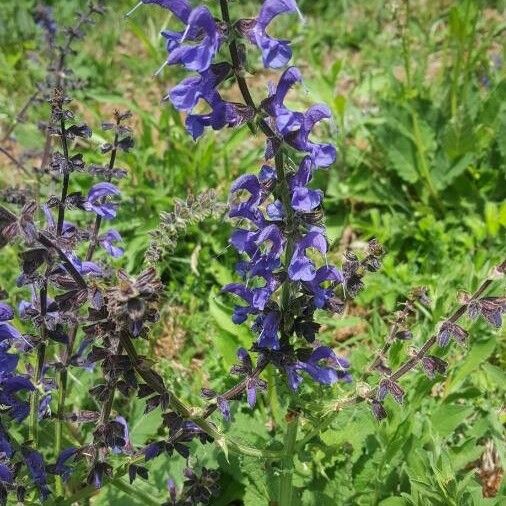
[250, 184]
[322, 295]
[6, 312]
[223, 114]
[322, 155]
[387, 386]
[153, 450]
[44, 403]
[171, 487]
[433, 365]
[108, 240]
[267, 324]
[180, 8]
[35, 464]
[205, 37]
[127, 447]
[6, 474]
[244, 241]
[97, 200]
[333, 370]
[7, 331]
[97, 473]
[188, 92]
[296, 127]
[285, 119]
[61, 468]
[306, 200]
[245, 368]
[84, 267]
[224, 407]
[10, 385]
[246, 212]
[8, 362]
[5, 443]
[275, 211]
[256, 298]
[448, 330]
[378, 410]
[301, 268]
[323, 365]
[274, 237]
[275, 53]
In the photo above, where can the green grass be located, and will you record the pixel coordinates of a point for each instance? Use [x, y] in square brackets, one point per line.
[419, 104]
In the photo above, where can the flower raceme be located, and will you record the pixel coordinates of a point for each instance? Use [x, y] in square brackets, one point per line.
[280, 235]
[63, 289]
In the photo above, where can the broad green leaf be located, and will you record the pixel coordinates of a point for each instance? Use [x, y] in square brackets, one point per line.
[447, 418]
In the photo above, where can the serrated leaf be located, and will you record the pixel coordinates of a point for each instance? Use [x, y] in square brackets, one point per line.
[402, 158]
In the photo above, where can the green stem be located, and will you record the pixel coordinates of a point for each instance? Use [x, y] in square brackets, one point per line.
[39, 366]
[224, 442]
[272, 395]
[287, 464]
[34, 399]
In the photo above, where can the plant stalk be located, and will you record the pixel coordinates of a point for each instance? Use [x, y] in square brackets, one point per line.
[287, 464]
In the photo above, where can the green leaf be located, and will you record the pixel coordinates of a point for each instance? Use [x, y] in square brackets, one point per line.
[496, 375]
[478, 353]
[394, 501]
[447, 418]
[402, 158]
[232, 336]
[467, 452]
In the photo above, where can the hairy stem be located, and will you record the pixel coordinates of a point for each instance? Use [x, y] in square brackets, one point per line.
[155, 382]
[66, 177]
[286, 478]
[239, 70]
[39, 366]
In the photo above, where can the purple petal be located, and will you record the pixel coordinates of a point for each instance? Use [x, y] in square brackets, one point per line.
[180, 8]
[306, 200]
[6, 475]
[101, 190]
[6, 312]
[251, 392]
[198, 56]
[7, 331]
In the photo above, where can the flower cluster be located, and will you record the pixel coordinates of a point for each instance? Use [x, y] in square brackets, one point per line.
[65, 282]
[281, 234]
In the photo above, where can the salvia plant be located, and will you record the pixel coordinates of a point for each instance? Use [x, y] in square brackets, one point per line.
[81, 314]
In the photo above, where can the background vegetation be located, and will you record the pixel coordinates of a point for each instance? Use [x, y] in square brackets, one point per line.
[418, 92]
